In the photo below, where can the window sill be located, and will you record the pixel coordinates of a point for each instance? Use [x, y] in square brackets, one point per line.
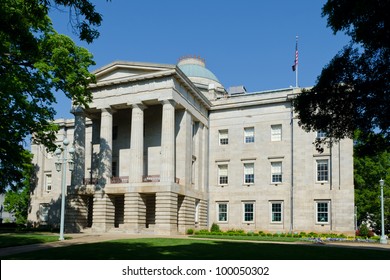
[322, 183]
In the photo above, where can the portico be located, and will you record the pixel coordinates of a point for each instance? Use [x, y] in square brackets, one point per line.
[142, 148]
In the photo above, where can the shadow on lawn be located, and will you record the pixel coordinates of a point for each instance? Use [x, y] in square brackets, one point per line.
[182, 249]
[19, 240]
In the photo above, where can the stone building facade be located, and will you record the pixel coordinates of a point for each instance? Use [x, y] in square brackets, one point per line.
[165, 148]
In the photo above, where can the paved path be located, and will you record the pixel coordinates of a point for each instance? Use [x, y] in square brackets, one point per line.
[85, 238]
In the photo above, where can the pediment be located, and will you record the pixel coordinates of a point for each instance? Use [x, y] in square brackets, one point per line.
[118, 71]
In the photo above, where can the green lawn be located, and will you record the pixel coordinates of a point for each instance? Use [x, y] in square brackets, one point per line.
[194, 249]
[18, 239]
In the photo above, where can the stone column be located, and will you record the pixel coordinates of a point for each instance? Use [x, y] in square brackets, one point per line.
[167, 173]
[203, 184]
[135, 212]
[166, 213]
[103, 212]
[105, 167]
[78, 173]
[186, 214]
[137, 144]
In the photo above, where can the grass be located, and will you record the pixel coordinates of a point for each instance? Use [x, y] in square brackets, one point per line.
[20, 239]
[251, 238]
[195, 249]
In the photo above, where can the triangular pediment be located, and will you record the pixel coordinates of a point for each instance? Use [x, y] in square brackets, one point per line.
[117, 71]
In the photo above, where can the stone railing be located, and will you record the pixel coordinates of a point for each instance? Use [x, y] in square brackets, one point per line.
[155, 178]
[119, 180]
[90, 181]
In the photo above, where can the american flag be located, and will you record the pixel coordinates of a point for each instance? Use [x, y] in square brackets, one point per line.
[294, 67]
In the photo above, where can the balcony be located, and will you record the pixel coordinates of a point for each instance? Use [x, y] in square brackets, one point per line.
[125, 180]
[119, 180]
[155, 178]
[90, 181]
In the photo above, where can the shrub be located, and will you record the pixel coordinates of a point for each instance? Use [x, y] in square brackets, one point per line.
[364, 231]
[190, 231]
[215, 228]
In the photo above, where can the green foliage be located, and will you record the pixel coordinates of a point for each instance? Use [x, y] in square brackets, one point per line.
[17, 199]
[36, 61]
[352, 91]
[369, 170]
[215, 228]
[17, 202]
[190, 231]
[364, 230]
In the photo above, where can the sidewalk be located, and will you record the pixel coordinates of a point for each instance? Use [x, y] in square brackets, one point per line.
[85, 238]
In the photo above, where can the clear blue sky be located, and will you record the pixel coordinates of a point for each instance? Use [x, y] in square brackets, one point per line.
[250, 43]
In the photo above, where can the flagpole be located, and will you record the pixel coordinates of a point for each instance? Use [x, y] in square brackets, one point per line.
[296, 61]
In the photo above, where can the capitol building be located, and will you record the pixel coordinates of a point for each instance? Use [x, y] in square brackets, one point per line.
[166, 148]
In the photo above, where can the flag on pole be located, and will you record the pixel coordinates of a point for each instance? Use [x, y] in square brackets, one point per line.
[294, 67]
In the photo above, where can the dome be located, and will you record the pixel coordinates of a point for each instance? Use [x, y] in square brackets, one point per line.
[195, 67]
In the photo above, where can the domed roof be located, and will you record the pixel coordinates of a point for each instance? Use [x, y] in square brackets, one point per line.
[196, 67]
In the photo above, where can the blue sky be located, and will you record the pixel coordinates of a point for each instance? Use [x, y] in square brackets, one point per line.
[246, 42]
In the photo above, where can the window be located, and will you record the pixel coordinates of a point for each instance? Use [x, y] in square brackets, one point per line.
[322, 212]
[322, 170]
[249, 175]
[223, 137]
[193, 170]
[276, 172]
[223, 174]
[44, 212]
[321, 134]
[249, 212]
[48, 182]
[276, 132]
[276, 212]
[197, 207]
[249, 135]
[222, 212]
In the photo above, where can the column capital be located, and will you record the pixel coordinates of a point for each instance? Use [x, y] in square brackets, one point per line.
[78, 111]
[139, 105]
[107, 110]
[168, 101]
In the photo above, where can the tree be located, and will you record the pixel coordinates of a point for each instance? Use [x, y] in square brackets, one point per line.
[368, 171]
[17, 199]
[353, 90]
[36, 61]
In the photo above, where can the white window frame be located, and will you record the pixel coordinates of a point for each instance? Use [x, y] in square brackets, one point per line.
[276, 132]
[197, 210]
[48, 182]
[271, 211]
[249, 180]
[223, 172]
[249, 135]
[225, 212]
[317, 218]
[44, 212]
[223, 137]
[276, 172]
[245, 213]
[322, 175]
